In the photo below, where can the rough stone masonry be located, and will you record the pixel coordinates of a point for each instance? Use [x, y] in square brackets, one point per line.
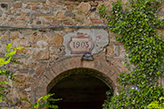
[46, 50]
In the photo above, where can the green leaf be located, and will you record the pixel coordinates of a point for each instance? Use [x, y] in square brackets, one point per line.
[11, 53]
[9, 46]
[5, 62]
[2, 59]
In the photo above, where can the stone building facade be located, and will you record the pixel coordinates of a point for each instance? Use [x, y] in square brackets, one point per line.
[51, 47]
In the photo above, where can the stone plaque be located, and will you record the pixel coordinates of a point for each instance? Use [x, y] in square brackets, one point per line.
[79, 42]
[80, 45]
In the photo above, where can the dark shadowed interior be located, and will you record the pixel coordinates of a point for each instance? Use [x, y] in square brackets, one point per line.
[80, 91]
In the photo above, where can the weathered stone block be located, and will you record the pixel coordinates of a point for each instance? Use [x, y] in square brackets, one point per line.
[93, 15]
[33, 3]
[17, 5]
[21, 83]
[84, 7]
[97, 21]
[79, 16]
[99, 37]
[60, 16]
[25, 1]
[37, 38]
[87, 22]
[42, 55]
[110, 50]
[42, 44]
[69, 7]
[23, 94]
[116, 50]
[57, 39]
[14, 35]
[22, 42]
[69, 14]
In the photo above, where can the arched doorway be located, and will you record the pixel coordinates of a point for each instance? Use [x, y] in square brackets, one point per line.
[80, 88]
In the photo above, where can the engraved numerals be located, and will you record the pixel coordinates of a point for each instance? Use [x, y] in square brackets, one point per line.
[78, 44]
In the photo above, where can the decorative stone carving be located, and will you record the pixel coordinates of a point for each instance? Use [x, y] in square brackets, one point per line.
[99, 37]
[80, 45]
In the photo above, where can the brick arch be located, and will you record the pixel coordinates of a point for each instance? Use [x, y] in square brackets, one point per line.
[91, 72]
[41, 86]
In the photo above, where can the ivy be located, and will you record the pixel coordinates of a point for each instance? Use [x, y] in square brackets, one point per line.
[42, 102]
[157, 104]
[9, 76]
[137, 25]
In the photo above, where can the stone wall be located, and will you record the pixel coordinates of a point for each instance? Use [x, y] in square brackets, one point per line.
[44, 47]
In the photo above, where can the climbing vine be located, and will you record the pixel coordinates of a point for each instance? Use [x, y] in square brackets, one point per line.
[137, 24]
[157, 104]
[4, 72]
[42, 102]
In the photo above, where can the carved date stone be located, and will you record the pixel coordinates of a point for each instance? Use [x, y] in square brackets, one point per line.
[85, 41]
[80, 45]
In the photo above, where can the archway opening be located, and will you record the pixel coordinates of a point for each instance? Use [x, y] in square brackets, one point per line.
[80, 90]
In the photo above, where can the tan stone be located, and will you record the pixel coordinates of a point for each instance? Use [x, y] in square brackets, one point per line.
[48, 17]
[56, 50]
[27, 80]
[32, 25]
[43, 54]
[35, 46]
[54, 57]
[18, 23]
[70, 7]
[68, 29]
[18, 5]
[79, 23]
[99, 5]
[32, 65]
[2, 78]
[33, 3]
[42, 43]
[125, 1]
[60, 16]
[39, 70]
[113, 37]
[21, 83]
[13, 96]
[84, 7]
[108, 4]
[93, 15]
[79, 16]
[37, 38]
[24, 65]
[25, 51]
[52, 2]
[14, 35]
[2, 53]
[25, 105]
[4, 22]
[110, 50]
[54, 23]
[44, 4]
[21, 42]
[12, 11]
[160, 31]
[87, 22]
[4, 37]
[23, 17]
[57, 39]
[23, 94]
